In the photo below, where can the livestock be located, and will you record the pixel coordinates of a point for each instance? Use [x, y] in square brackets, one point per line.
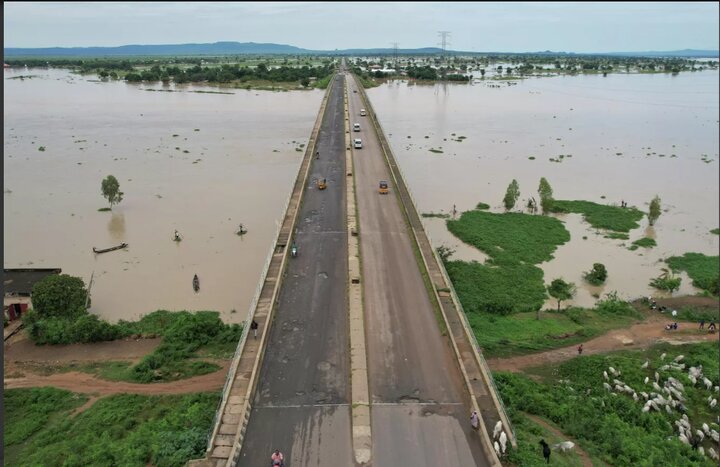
[713, 454]
[657, 376]
[647, 378]
[645, 365]
[713, 403]
[612, 370]
[678, 358]
[497, 448]
[497, 429]
[605, 375]
[607, 386]
[503, 441]
[683, 439]
[546, 450]
[707, 383]
[662, 357]
[564, 446]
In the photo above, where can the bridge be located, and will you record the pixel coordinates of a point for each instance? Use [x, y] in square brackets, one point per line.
[363, 355]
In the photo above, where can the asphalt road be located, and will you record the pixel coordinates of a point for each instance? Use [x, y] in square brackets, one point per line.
[302, 403]
[419, 411]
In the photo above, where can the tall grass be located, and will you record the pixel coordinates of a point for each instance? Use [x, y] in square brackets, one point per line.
[602, 216]
[124, 429]
[702, 269]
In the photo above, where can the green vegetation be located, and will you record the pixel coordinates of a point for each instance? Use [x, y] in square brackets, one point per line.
[482, 206]
[602, 216]
[715, 231]
[436, 151]
[645, 242]
[702, 269]
[613, 426]
[59, 296]
[654, 211]
[511, 195]
[617, 236]
[41, 148]
[508, 282]
[522, 333]
[597, 275]
[666, 281]
[561, 291]
[124, 429]
[510, 238]
[111, 190]
[104, 209]
[435, 214]
[546, 196]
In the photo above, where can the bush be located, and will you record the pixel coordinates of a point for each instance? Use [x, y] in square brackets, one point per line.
[702, 269]
[597, 275]
[59, 295]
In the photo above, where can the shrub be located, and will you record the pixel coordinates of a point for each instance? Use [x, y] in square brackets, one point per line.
[59, 296]
[597, 275]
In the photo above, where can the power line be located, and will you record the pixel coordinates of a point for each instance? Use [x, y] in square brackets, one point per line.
[395, 51]
[444, 40]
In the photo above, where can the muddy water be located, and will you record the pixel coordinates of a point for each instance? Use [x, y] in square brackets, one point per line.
[661, 126]
[233, 161]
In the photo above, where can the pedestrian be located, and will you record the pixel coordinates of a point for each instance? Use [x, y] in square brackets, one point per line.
[702, 324]
[254, 326]
[317, 155]
[580, 349]
[474, 420]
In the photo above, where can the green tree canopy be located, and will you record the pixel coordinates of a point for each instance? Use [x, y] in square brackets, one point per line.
[561, 290]
[59, 296]
[111, 190]
[597, 275]
[546, 195]
[654, 211]
[511, 195]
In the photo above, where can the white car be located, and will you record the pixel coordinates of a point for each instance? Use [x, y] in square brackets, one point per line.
[357, 143]
[356, 127]
[363, 112]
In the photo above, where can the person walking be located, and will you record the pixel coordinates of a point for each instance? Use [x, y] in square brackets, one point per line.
[254, 327]
[702, 324]
[580, 349]
[474, 420]
[317, 155]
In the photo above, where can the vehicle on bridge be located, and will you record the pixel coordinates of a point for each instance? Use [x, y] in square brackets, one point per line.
[363, 112]
[383, 187]
[356, 127]
[357, 143]
[322, 184]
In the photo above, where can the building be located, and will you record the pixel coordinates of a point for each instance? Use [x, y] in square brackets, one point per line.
[17, 288]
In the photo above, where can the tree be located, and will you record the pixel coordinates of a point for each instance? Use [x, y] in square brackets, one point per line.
[561, 290]
[546, 195]
[111, 190]
[59, 295]
[654, 211]
[597, 275]
[511, 195]
[305, 82]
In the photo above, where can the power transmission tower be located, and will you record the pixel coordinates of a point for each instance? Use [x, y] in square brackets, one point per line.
[395, 53]
[444, 41]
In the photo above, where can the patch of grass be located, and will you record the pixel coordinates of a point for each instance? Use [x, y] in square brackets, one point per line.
[436, 151]
[645, 242]
[123, 429]
[715, 231]
[41, 149]
[104, 209]
[522, 333]
[702, 269]
[482, 206]
[602, 216]
[613, 426]
[510, 238]
[435, 214]
[617, 236]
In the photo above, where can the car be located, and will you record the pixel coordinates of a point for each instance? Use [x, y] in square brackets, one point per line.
[383, 187]
[363, 112]
[357, 143]
[356, 127]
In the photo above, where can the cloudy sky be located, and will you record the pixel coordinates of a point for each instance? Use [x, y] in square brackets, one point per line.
[502, 27]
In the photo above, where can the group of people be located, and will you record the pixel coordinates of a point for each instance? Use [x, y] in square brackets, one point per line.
[711, 327]
[623, 204]
[671, 327]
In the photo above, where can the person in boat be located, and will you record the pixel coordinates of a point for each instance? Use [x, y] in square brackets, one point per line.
[196, 282]
[241, 230]
[177, 236]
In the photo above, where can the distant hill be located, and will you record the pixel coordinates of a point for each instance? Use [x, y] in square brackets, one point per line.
[252, 48]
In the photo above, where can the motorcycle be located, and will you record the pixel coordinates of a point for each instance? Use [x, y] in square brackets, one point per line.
[294, 251]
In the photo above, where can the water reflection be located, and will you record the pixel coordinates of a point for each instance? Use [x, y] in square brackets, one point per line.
[116, 226]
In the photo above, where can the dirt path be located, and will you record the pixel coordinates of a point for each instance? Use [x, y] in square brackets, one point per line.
[88, 384]
[584, 457]
[20, 349]
[638, 336]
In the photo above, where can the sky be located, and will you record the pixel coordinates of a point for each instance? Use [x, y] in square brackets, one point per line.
[473, 26]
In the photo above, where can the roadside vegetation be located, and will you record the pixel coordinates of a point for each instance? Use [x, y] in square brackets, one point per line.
[123, 429]
[59, 317]
[703, 270]
[611, 424]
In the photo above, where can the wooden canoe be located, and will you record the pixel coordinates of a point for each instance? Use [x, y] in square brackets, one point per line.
[122, 245]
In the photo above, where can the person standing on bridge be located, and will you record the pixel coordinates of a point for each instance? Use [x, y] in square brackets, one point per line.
[474, 420]
[317, 155]
[254, 327]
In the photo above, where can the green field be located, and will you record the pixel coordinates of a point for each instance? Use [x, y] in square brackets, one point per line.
[702, 269]
[602, 216]
[125, 429]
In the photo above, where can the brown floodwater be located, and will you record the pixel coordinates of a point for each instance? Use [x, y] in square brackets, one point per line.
[233, 160]
[623, 137]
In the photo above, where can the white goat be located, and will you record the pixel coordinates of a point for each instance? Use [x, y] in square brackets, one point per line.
[683, 439]
[605, 375]
[497, 448]
[657, 376]
[707, 383]
[713, 403]
[503, 442]
[662, 357]
[564, 446]
[647, 378]
[607, 386]
[678, 358]
[713, 454]
[700, 435]
[497, 429]
[645, 365]
[612, 370]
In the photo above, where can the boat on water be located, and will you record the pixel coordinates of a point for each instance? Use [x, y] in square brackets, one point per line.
[196, 283]
[105, 250]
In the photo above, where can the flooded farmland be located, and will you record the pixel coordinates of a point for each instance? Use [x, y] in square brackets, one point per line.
[611, 139]
[198, 162]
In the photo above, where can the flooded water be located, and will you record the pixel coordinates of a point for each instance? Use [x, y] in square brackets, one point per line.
[200, 163]
[623, 137]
